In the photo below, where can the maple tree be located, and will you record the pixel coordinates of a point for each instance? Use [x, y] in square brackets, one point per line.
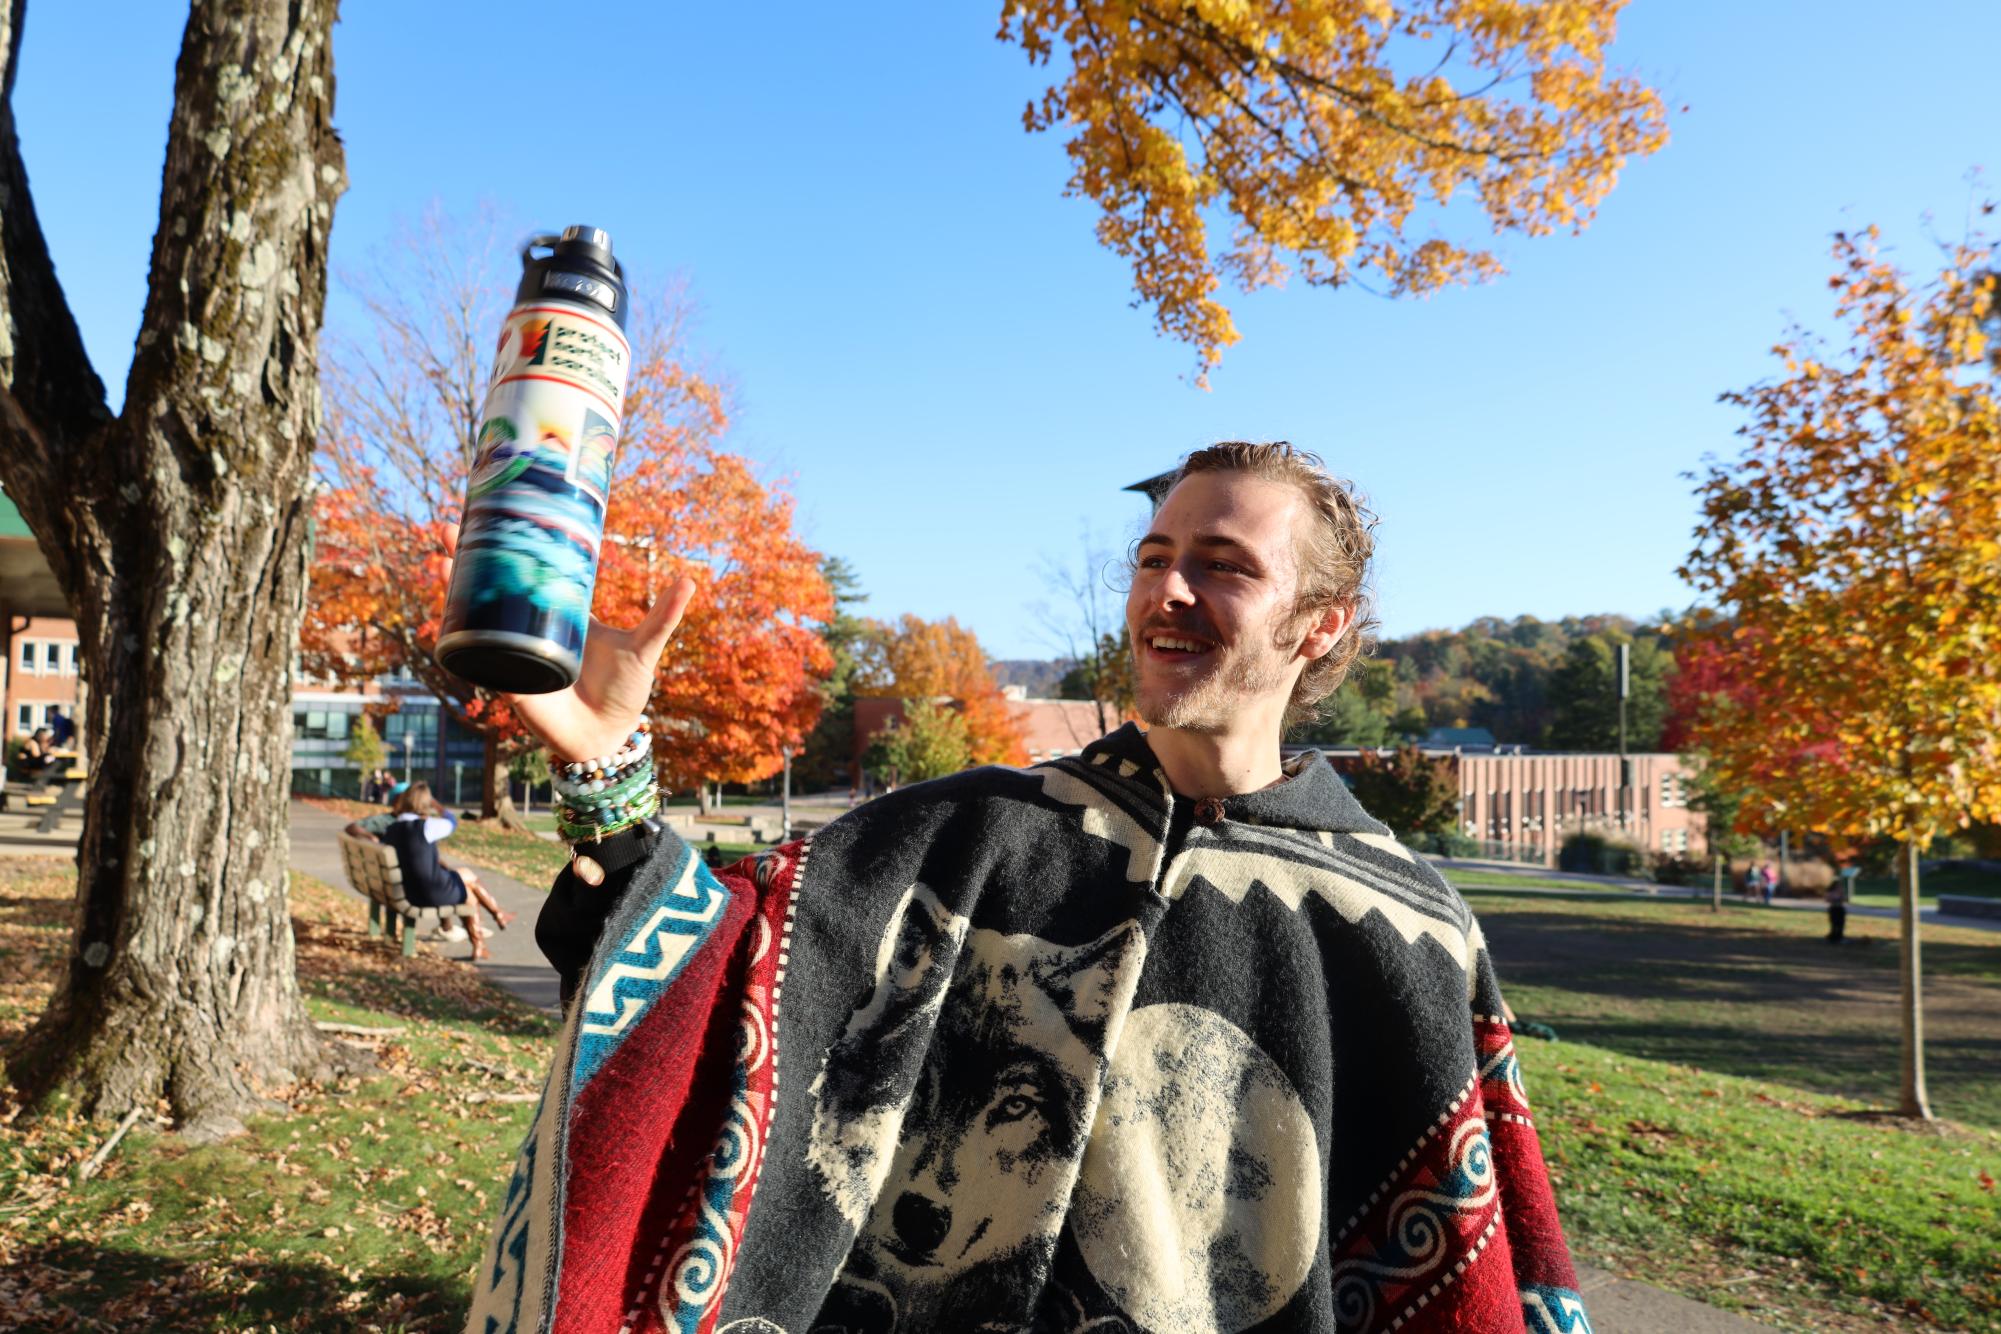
[1325, 130]
[928, 741]
[1855, 545]
[176, 520]
[741, 679]
[1411, 792]
[402, 413]
[920, 659]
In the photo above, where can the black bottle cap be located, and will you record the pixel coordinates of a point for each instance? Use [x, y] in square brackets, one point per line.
[579, 267]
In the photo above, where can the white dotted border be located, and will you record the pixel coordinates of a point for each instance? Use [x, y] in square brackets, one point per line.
[646, 1286]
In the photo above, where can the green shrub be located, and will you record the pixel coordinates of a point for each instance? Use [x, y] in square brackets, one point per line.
[1683, 868]
[1602, 854]
[1444, 843]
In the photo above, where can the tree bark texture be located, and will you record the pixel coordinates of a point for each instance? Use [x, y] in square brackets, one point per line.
[1913, 1100]
[496, 801]
[180, 531]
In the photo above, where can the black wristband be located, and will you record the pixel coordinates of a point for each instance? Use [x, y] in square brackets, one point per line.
[628, 847]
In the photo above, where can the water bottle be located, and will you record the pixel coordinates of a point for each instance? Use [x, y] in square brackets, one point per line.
[520, 598]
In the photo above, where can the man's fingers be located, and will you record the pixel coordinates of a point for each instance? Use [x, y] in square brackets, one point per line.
[665, 617]
[657, 626]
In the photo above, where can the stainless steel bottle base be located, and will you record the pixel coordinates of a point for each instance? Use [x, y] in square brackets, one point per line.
[503, 660]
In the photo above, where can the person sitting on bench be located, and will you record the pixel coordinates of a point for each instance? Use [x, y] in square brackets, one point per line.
[414, 827]
[37, 759]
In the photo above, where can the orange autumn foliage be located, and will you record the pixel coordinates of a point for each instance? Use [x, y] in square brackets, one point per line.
[739, 680]
[919, 659]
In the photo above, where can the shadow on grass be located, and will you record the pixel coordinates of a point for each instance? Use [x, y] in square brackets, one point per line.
[48, 913]
[144, 1290]
[1760, 1004]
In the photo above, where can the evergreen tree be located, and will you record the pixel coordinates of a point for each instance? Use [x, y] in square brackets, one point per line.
[831, 744]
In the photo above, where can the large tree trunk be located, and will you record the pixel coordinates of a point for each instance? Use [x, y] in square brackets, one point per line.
[1912, 1098]
[180, 531]
[496, 798]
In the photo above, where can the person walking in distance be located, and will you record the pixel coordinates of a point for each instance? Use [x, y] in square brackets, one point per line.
[1838, 895]
[1169, 1036]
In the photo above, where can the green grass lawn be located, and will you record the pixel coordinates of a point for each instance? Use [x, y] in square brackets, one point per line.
[364, 1205]
[1474, 878]
[1714, 1111]
[1786, 1206]
[1881, 890]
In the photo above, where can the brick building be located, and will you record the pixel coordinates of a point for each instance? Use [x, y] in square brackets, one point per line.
[38, 674]
[1520, 804]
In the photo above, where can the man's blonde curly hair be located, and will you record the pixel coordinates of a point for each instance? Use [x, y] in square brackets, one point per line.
[1333, 558]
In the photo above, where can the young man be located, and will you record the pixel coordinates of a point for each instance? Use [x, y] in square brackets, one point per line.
[1165, 1037]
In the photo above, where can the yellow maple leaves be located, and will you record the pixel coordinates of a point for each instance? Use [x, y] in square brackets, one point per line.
[1854, 544]
[1323, 130]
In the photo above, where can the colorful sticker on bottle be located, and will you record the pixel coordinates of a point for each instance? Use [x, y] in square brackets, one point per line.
[590, 466]
[567, 346]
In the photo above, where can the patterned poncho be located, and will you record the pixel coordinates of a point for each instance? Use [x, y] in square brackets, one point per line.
[1042, 1050]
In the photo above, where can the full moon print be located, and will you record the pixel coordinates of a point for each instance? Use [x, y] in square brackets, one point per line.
[1198, 1206]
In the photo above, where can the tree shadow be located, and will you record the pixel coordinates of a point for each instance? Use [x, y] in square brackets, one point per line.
[74, 1285]
[1758, 1004]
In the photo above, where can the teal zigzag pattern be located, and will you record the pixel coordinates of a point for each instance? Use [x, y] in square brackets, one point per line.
[1554, 1311]
[681, 917]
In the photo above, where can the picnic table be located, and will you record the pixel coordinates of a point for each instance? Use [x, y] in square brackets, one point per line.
[69, 775]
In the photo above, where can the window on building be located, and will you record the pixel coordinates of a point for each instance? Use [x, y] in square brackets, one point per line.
[69, 658]
[319, 724]
[52, 657]
[26, 716]
[30, 660]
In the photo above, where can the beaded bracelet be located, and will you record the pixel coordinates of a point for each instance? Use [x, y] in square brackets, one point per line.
[603, 780]
[637, 745]
[621, 793]
[609, 819]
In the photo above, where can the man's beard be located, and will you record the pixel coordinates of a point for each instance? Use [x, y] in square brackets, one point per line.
[1210, 703]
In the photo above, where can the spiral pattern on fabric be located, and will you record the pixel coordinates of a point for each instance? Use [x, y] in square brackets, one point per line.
[753, 1037]
[1355, 1300]
[737, 1149]
[698, 1269]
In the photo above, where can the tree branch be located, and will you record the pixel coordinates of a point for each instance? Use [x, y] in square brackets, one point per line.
[51, 401]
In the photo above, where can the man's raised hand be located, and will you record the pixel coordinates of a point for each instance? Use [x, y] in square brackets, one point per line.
[596, 715]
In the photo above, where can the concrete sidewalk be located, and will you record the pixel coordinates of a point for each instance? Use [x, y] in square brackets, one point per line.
[1622, 1306]
[517, 966]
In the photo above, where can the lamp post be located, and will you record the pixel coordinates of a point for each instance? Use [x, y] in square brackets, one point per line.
[409, 742]
[458, 776]
[1625, 765]
[785, 796]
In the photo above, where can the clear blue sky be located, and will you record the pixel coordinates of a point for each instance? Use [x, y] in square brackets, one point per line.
[927, 340]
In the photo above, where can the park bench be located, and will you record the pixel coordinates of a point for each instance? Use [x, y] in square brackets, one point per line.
[374, 874]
